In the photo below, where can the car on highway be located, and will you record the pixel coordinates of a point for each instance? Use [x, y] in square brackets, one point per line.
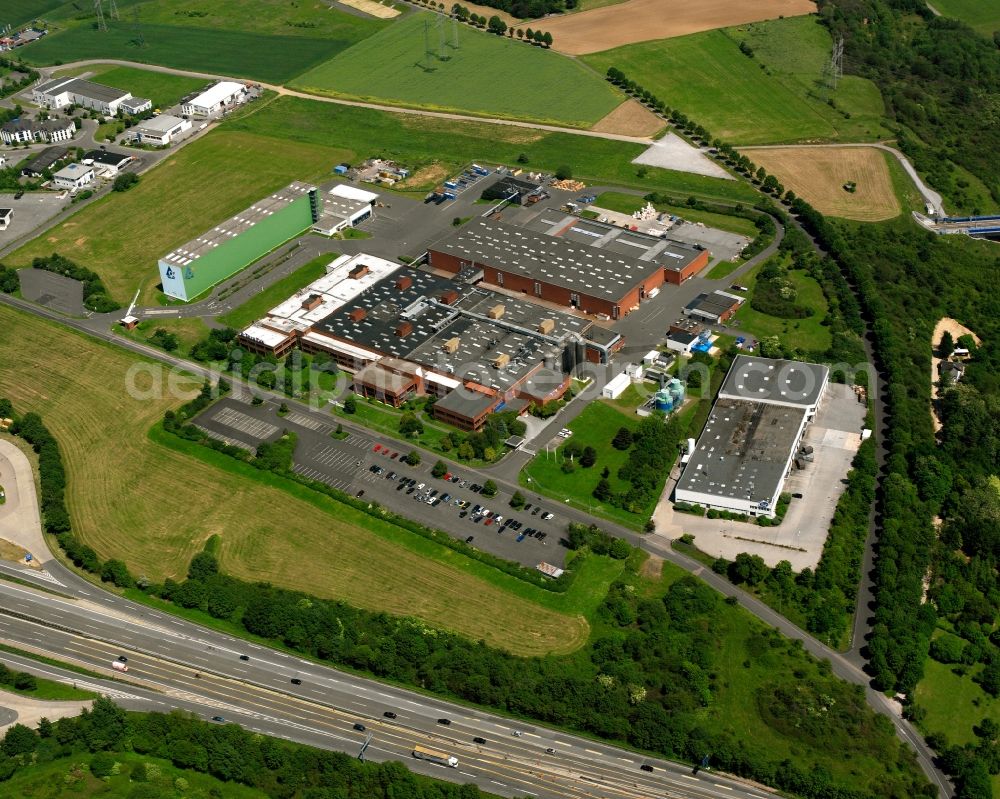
[550, 750]
[122, 659]
[445, 722]
[389, 714]
[244, 657]
[359, 727]
[478, 740]
[296, 681]
[218, 719]
[646, 767]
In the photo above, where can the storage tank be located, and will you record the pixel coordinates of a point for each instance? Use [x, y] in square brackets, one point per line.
[676, 389]
[662, 401]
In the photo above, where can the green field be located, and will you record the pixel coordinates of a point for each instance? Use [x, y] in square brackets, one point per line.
[258, 305]
[954, 704]
[809, 334]
[441, 145]
[18, 12]
[234, 53]
[983, 15]
[188, 331]
[122, 235]
[629, 203]
[707, 77]
[163, 89]
[485, 74]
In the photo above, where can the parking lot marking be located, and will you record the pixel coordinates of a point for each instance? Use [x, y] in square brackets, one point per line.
[233, 442]
[230, 417]
[308, 422]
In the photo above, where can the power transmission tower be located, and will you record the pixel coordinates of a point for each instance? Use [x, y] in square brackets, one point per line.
[112, 9]
[454, 33]
[834, 69]
[439, 23]
[99, 10]
[137, 39]
[427, 59]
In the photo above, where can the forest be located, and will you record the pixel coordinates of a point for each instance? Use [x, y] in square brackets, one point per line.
[939, 80]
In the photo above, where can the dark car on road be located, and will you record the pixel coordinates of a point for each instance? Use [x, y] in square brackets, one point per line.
[445, 722]
[359, 727]
[389, 714]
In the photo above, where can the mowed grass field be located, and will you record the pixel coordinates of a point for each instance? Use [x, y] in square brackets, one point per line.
[154, 506]
[122, 235]
[163, 89]
[983, 15]
[818, 175]
[485, 74]
[772, 98]
[17, 12]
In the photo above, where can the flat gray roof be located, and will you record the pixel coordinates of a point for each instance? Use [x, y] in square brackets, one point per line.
[743, 450]
[234, 226]
[587, 269]
[714, 303]
[85, 88]
[159, 124]
[466, 402]
[776, 381]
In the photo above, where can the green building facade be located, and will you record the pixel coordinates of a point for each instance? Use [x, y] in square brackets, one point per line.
[231, 246]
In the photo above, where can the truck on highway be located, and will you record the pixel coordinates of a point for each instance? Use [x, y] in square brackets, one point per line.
[422, 753]
[117, 665]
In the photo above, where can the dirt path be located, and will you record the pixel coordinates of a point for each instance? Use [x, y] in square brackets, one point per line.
[945, 325]
[392, 109]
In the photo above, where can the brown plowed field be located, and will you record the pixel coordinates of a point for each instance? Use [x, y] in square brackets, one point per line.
[631, 118]
[642, 20]
[818, 175]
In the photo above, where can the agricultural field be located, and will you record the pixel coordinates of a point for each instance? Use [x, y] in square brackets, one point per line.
[163, 89]
[819, 174]
[772, 98]
[18, 12]
[122, 235]
[982, 15]
[393, 66]
[79, 386]
[631, 118]
[643, 20]
[266, 40]
[434, 148]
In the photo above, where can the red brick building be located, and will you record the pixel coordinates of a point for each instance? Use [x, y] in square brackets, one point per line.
[564, 270]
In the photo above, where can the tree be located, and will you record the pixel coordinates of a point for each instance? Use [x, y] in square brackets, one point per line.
[102, 764]
[350, 404]
[749, 569]
[413, 458]
[440, 469]
[410, 426]
[547, 39]
[947, 345]
[529, 34]
[125, 181]
[622, 439]
[517, 501]
[602, 491]
[204, 565]
[588, 457]
[497, 25]
[164, 339]
[564, 173]
[489, 489]
[538, 37]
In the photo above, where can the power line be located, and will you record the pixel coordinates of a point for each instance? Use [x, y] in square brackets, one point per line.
[112, 9]
[99, 11]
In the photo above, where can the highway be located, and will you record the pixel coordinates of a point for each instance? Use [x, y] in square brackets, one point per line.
[174, 664]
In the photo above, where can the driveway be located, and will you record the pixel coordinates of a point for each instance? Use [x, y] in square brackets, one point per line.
[20, 521]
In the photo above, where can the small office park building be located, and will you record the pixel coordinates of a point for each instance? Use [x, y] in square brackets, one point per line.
[232, 245]
[752, 435]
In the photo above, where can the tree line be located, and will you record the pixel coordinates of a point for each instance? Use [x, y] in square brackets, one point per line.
[227, 752]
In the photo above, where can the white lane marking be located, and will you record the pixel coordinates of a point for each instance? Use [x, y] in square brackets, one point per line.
[531, 735]
[593, 751]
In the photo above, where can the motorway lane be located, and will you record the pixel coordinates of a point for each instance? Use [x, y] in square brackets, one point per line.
[328, 703]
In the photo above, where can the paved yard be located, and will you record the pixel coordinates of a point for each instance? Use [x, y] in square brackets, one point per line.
[30, 212]
[54, 291]
[835, 436]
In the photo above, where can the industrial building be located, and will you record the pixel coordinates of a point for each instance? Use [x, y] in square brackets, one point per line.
[106, 162]
[106, 100]
[28, 131]
[403, 332]
[231, 245]
[753, 432]
[159, 131]
[73, 176]
[46, 159]
[575, 263]
[344, 206]
[215, 100]
[715, 307]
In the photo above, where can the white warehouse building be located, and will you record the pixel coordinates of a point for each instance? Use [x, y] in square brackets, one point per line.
[106, 100]
[753, 432]
[215, 100]
[160, 130]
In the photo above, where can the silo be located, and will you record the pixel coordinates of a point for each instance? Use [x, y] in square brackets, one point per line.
[676, 389]
[662, 401]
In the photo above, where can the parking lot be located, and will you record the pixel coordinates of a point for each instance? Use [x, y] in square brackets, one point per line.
[366, 466]
[31, 211]
[54, 291]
